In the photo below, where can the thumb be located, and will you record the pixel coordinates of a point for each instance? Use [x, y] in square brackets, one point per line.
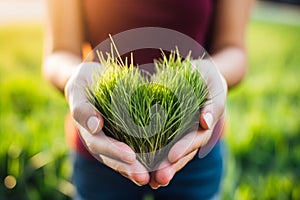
[215, 108]
[81, 109]
[206, 120]
[85, 115]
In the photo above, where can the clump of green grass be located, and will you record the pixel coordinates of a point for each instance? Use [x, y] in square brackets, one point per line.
[148, 112]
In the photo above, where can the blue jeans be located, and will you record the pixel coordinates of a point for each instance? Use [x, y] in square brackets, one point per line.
[199, 179]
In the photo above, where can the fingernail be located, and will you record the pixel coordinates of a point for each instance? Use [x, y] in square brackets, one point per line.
[93, 123]
[165, 185]
[155, 187]
[138, 184]
[208, 118]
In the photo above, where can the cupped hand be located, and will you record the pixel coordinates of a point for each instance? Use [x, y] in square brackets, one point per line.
[202, 140]
[116, 155]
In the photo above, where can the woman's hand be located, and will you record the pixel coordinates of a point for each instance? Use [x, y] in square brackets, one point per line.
[202, 140]
[117, 155]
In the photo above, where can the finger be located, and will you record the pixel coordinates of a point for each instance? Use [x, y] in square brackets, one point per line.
[81, 109]
[86, 72]
[135, 172]
[212, 112]
[216, 134]
[190, 142]
[167, 170]
[104, 145]
[84, 114]
[211, 75]
[217, 88]
[206, 120]
[82, 77]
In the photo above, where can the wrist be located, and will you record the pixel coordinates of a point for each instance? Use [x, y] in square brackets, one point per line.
[58, 68]
[232, 64]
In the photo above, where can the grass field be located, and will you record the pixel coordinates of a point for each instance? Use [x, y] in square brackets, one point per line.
[263, 120]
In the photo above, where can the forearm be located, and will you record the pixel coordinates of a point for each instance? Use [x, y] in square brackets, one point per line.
[232, 63]
[58, 67]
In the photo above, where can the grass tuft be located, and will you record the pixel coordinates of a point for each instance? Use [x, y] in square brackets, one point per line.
[148, 114]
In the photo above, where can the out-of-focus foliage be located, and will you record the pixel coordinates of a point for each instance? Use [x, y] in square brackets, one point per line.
[33, 150]
[264, 118]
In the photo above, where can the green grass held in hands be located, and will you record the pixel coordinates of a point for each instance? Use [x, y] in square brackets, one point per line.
[148, 112]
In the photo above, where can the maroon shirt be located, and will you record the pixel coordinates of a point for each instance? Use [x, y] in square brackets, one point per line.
[104, 17]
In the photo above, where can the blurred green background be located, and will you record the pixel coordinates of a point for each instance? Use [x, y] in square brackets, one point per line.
[263, 119]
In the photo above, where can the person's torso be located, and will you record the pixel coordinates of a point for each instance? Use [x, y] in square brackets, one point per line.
[104, 17]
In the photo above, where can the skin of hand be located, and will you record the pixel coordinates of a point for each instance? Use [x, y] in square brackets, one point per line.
[114, 154]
